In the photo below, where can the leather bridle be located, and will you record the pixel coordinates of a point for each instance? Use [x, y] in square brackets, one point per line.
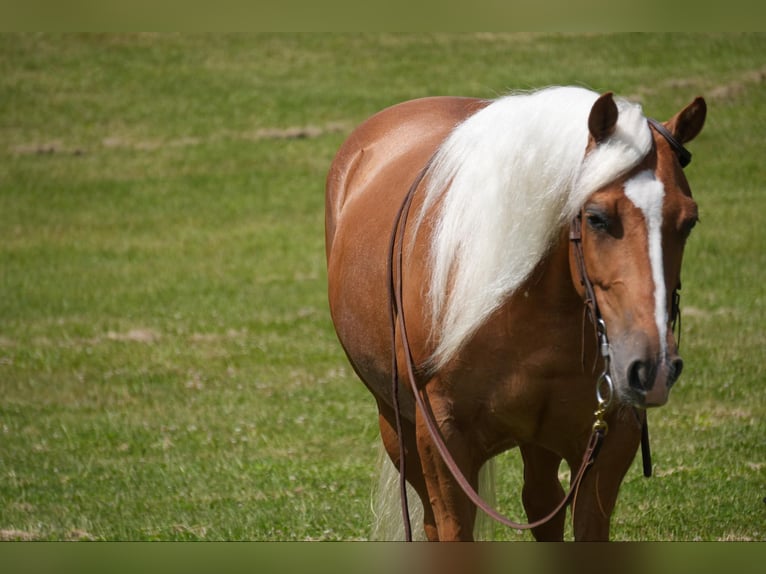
[684, 155]
[604, 386]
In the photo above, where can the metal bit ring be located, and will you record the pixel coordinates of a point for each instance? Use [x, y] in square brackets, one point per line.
[606, 385]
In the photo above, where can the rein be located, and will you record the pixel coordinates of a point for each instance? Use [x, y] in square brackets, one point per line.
[604, 384]
[398, 321]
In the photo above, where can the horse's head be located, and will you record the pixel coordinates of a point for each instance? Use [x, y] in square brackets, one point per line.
[633, 235]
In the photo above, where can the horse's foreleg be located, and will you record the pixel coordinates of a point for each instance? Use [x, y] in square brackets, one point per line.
[542, 491]
[597, 495]
[454, 513]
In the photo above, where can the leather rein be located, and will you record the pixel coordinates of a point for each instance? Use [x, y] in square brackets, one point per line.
[604, 385]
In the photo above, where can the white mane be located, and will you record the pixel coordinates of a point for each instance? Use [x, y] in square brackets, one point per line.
[507, 179]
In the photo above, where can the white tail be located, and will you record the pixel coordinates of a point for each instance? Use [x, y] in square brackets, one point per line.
[387, 508]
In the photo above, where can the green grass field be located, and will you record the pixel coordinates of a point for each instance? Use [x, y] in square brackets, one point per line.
[168, 367]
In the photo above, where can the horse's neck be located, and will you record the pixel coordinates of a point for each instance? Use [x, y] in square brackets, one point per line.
[550, 285]
[548, 311]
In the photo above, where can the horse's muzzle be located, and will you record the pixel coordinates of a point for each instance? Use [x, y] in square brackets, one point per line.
[651, 382]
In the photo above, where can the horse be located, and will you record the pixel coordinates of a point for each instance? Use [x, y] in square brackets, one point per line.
[501, 199]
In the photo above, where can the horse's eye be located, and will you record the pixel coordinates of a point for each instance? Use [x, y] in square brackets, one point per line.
[597, 221]
[687, 226]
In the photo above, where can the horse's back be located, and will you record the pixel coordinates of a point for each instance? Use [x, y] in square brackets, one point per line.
[366, 184]
[397, 140]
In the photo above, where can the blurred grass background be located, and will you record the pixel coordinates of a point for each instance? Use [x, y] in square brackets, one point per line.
[168, 368]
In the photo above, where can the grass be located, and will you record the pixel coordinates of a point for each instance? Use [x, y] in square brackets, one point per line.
[167, 364]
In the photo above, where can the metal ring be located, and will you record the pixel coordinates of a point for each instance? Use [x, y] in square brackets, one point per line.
[605, 401]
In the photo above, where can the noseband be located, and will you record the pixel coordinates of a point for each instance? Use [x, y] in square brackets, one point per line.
[604, 385]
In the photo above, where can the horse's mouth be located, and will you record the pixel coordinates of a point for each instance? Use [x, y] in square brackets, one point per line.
[642, 393]
[644, 381]
[643, 399]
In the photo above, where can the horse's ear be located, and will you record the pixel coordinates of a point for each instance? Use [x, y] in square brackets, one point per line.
[603, 118]
[687, 123]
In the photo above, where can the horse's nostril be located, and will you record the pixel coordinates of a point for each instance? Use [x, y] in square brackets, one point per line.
[676, 367]
[638, 375]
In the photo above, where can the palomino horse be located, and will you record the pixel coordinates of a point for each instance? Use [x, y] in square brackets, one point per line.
[495, 338]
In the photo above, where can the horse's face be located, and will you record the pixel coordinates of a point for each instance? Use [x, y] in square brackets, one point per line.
[633, 236]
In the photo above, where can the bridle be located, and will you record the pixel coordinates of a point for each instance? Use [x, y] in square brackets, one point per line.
[591, 304]
[684, 155]
[604, 385]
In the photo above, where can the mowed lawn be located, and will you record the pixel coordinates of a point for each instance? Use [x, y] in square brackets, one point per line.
[168, 368]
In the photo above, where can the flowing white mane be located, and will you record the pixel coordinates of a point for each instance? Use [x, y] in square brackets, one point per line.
[506, 180]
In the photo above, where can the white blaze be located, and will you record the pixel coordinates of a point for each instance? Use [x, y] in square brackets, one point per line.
[647, 193]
